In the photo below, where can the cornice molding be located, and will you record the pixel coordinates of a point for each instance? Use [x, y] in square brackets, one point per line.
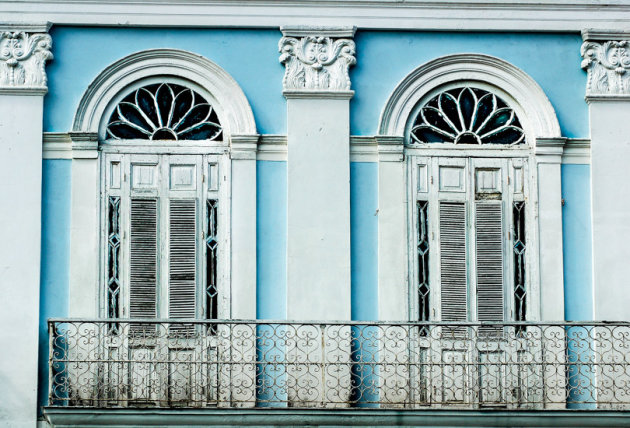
[243, 147]
[318, 94]
[549, 150]
[316, 60]
[70, 145]
[391, 148]
[577, 151]
[23, 56]
[594, 35]
[29, 27]
[457, 15]
[306, 31]
[23, 91]
[607, 63]
[271, 147]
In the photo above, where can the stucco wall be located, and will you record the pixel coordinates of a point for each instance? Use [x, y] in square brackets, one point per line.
[251, 57]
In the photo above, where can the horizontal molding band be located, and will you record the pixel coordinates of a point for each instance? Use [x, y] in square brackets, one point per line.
[58, 145]
[88, 418]
[439, 15]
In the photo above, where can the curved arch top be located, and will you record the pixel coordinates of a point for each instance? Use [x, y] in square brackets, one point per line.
[538, 112]
[231, 104]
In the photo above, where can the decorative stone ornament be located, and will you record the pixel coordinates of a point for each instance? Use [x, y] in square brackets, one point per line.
[608, 66]
[23, 58]
[316, 62]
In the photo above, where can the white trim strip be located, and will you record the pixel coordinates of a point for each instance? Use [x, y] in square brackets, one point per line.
[58, 145]
[459, 15]
[577, 151]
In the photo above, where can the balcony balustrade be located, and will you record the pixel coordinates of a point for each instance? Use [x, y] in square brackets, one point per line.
[240, 364]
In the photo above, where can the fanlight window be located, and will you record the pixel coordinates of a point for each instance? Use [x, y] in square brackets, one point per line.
[164, 111]
[467, 116]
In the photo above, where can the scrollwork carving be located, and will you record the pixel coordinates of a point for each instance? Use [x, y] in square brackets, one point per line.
[317, 63]
[23, 59]
[608, 67]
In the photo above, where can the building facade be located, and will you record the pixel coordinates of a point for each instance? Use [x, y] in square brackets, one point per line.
[324, 213]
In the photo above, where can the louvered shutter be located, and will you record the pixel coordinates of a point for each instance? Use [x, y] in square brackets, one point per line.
[453, 261]
[143, 258]
[489, 238]
[182, 258]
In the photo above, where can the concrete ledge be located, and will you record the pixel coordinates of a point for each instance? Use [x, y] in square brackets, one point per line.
[87, 418]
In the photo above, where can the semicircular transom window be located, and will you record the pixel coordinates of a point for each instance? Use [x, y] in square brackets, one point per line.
[467, 116]
[164, 111]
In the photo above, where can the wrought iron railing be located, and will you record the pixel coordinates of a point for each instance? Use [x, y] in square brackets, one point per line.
[187, 363]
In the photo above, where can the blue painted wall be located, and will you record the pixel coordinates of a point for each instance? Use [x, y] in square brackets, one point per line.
[364, 240]
[249, 56]
[55, 257]
[271, 240]
[385, 58]
[577, 243]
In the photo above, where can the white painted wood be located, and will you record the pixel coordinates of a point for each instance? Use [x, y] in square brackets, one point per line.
[318, 211]
[20, 216]
[168, 178]
[457, 15]
[482, 181]
[453, 261]
[611, 208]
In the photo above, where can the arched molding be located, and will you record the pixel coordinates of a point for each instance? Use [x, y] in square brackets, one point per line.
[537, 112]
[228, 99]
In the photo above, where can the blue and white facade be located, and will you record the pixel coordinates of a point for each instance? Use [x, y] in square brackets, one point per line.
[418, 207]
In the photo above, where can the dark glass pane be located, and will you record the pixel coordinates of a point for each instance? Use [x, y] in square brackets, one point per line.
[519, 246]
[467, 104]
[463, 116]
[125, 132]
[212, 243]
[165, 99]
[423, 262]
[113, 259]
[165, 111]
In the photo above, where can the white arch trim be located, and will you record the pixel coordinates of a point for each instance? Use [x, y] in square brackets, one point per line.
[231, 104]
[539, 113]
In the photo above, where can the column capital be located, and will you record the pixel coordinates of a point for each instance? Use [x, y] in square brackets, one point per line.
[24, 50]
[606, 58]
[317, 59]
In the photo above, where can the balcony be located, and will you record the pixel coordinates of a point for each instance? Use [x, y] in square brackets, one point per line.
[108, 364]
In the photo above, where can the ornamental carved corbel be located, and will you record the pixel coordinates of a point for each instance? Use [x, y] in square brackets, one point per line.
[315, 62]
[23, 59]
[608, 67]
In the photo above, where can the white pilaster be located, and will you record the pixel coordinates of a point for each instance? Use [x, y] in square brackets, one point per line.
[83, 296]
[243, 229]
[608, 95]
[317, 88]
[24, 50]
[548, 161]
[393, 287]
